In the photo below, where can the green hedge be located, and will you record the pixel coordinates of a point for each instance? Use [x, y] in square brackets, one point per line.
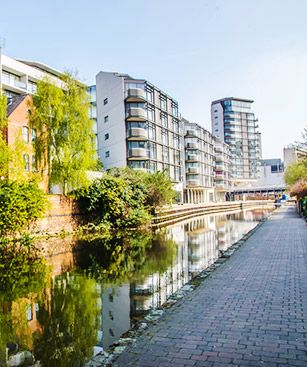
[20, 205]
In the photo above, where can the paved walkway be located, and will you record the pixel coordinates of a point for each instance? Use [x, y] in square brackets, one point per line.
[252, 311]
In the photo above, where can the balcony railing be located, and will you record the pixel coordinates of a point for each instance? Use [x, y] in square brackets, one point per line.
[137, 153]
[193, 170]
[13, 82]
[135, 95]
[192, 132]
[136, 114]
[193, 182]
[138, 133]
[192, 145]
[192, 157]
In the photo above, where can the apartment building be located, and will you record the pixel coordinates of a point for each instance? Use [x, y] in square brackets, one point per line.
[293, 154]
[199, 163]
[222, 169]
[138, 126]
[234, 123]
[19, 77]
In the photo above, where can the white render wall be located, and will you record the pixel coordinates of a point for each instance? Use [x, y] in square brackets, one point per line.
[217, 121]
[110, 86]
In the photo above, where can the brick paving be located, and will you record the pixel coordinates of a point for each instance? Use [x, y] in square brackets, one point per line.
[252, 311]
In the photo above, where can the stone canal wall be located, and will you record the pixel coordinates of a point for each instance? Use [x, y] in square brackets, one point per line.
[179, 212]
[64, 216]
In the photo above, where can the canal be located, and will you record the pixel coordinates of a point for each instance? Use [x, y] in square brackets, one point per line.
[87, 292]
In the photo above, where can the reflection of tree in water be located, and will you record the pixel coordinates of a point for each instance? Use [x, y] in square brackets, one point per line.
[58, 319]
[126, 256]
[23, 274]
[70, 319]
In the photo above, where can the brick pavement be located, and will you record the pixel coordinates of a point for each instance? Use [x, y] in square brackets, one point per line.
[252, 311]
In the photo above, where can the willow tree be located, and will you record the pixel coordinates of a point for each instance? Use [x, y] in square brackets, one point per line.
[4, 151]
[64, 145]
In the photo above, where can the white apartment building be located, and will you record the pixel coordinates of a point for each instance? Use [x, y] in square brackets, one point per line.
[20, 76]
[234, 123]
[222, 169]
[199, 163]
[138, 126]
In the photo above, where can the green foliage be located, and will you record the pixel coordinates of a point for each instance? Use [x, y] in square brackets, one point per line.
[126, 256]
[125, 197]
[21, 268]
[160, 191]
[20, 204]
[296, 172]
[4, 151]
[70, 321]
[64, 143]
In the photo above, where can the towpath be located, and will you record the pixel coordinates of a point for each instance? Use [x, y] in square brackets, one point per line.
[252, 311]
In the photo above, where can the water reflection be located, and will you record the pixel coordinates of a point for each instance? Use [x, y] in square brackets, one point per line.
[90, 300]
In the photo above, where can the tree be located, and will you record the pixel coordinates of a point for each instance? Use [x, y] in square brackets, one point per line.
[65, 143]
[296, 172]
[4, 151]
[160, 189]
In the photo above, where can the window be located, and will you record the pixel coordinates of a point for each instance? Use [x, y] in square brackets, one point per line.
[26, 162]
[105, 101]
[34, 164]
[175, 109]
[164, 120]
[25, 134]
[106, 118]
[107, 154]
[150, 94]
[33, 135]
[163, 104]
[106, 136]
[151, 114]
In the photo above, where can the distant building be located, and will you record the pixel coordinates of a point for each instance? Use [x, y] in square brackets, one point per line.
[293, 154]
[271, 174]
[222, 170]
[138, 126]
[199, 163]
[234, 123]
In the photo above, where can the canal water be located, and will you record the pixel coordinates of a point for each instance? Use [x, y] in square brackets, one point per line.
[86, 298]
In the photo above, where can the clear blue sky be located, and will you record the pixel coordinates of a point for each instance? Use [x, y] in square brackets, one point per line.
[196, 50]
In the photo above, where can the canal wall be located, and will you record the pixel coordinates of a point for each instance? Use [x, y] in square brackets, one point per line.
[63, 214]
[177, 213]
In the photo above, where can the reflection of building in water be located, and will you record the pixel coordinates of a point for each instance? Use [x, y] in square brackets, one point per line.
[115, 313]
[202, 245]
[155, 289]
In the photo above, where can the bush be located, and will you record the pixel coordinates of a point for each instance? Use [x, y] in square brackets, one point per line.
[20, 205]
[125, 197]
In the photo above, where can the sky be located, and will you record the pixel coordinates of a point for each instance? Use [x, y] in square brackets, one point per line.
[196, 51]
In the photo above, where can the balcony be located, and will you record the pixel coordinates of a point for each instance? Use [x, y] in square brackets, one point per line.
[193, 170]
[137, 153]
[221, 186]
[13, 82]
[219, 157]
[218, 149]
[135, 95]
[192, 132]
[137, 133]
[193, 182]
[220, 167]
[192, 146]
[192, 157]
[219, 175]
[136, 114]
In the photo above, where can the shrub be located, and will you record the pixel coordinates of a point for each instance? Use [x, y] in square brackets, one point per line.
[20, 205]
